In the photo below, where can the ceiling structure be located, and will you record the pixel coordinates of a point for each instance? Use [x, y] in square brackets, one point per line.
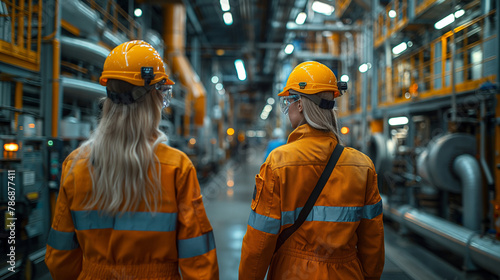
[257, 36]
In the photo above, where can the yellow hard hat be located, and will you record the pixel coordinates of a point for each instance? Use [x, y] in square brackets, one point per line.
[135, 62]
[311, 77]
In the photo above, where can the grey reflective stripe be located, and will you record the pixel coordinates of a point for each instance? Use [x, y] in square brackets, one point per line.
[372, 211]
[139, 221]
[334, 214]
[196, 246]
[61, 240]
[264, 223]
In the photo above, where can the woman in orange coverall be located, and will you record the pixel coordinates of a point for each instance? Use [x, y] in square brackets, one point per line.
[343, 236]
[129, 206]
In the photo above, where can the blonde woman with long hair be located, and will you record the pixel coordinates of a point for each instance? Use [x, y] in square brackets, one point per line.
[129, 206]
[341, 234]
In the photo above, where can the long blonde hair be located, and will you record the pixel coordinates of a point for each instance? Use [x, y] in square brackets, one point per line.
[321, 119]
[122, 151]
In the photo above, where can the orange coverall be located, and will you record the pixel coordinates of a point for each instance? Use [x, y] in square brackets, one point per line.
[136, 245]
[343, 236]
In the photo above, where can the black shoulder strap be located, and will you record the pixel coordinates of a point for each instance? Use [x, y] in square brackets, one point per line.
[312, 198]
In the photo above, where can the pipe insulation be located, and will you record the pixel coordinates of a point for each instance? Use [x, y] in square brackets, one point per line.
[482, 251]
[467, 169]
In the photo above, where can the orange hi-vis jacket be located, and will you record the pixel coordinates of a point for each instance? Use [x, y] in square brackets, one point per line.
[84, 244]
[343, 236]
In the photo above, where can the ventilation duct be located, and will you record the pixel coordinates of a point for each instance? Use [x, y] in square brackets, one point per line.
[174, 37]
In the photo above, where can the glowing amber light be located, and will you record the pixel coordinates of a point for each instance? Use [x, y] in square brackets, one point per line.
[230, 131]
[31, 125]
[344, 130]
[192, 141]
[230, 183]
[11, 147]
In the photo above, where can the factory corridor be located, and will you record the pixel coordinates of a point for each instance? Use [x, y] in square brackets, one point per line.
[227, 199]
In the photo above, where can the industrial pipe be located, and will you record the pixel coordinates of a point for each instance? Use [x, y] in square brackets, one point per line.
[482, 251]
[174, 36]
[467, 169]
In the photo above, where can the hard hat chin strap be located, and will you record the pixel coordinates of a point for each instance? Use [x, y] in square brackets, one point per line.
[127, 98]
[322, 103]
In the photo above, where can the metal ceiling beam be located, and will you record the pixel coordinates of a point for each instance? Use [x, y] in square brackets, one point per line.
[322, 27]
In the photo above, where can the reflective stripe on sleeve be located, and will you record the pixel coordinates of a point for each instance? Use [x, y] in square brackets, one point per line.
[264, 223]
[196, 246]
[138, 221]
[372, 211]
[61, 240]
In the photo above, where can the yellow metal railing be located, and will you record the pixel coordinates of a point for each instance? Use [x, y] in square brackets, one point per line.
[20, 43]
[119, 19]
[390, 21]
[427, 72]
[341, 6]
[422, 5]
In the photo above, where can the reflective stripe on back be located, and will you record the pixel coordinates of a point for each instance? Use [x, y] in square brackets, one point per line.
[61, 240]
[334, 214]
[139, 221]
[318, 213]
[196, 246]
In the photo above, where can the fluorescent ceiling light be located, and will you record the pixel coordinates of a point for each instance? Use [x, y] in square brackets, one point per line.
[448, 19]
[322, 8]
[398, 121]
[301, 18]
[289, 49]
[228, 18]
[363, 68]
[459, 13]
[399, 48]
[215, 79]
[219, 86]
[392, 14]
[224, 5]
[344, 78]
[240, 69]
[270, 100]
[138, 12]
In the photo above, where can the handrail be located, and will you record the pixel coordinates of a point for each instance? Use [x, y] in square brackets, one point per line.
[385, 26]
[433, 75]
[17, 49]
[115, 15]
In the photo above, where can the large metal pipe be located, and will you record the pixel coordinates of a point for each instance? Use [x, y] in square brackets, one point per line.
[174, 36]
[482, 251]
[467, 169]
[77, 48]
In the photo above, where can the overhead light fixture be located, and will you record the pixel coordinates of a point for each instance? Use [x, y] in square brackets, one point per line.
[344, 78]
[344, 130]
[398, 121]
[448, 19]
[301, 18]
[224, 5]
[322, 8]
[270, 101]
[399, 48]
[289, 49]
[363, 68]
[240, 69]
[228, 18]
[137, 12]
[215, 79]
[392, 14]
[219, 86]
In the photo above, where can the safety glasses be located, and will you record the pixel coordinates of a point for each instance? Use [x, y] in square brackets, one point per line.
[166, 91]
[286, 101]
